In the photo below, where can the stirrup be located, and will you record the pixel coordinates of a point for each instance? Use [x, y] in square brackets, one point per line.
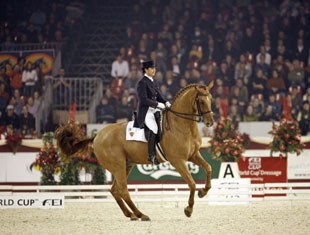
[153, 160]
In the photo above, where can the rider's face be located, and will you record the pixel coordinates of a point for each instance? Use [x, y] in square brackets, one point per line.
[151, 71]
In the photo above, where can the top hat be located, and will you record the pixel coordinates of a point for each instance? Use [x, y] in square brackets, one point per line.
[148, 64]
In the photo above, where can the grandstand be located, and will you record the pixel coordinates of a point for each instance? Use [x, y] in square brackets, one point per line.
[256, 52]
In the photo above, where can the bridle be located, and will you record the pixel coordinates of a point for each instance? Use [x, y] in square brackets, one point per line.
[191, 116]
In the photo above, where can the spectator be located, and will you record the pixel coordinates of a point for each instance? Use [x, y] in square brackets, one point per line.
[124, 110]
[29, 79]
[259, 84]
[217, 108]
[32, 107]
[27, 122]
[105, 111]
[243, 95]
[4, 97]
[131, 82]
[112, 99]
[276, 106]
[243, 70]
[258, 106]
[249, 115]
[234, 115]
[225, 75]
[62, 91]
[165, 92]
[175, 67]
[19, 102]
[300, 52]
[296, 75]
[303, 118]
[10, 118]
[276, 84]
[171, 82]
[120, 68]
[269, 115]
[16, 78]
[267, 56]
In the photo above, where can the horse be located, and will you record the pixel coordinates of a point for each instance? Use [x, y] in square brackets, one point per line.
[180, 142]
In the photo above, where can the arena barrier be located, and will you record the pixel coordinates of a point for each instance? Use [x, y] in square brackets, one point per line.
[233, 191]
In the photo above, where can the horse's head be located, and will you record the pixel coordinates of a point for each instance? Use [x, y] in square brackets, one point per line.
[203, 101]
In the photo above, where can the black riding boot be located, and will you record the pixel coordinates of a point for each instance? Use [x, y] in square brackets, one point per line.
[152, 150]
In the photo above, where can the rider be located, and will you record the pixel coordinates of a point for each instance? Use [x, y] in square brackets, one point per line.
[150, 102]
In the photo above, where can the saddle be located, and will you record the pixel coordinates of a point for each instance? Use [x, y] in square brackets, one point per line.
[146, 129]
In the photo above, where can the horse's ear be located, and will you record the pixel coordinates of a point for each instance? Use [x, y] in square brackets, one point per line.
[211, 85]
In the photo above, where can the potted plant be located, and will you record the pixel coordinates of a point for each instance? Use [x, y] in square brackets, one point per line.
[286, 138]
[227, 146]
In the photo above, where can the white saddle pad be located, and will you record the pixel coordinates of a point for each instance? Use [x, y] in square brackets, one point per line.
[134, 133]
[137, 134]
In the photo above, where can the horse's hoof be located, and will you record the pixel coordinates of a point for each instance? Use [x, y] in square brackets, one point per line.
[188, 211]
[145, 218]
[202, 192]
[133, 217]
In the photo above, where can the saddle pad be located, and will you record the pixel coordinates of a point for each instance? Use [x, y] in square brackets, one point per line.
[134, 133]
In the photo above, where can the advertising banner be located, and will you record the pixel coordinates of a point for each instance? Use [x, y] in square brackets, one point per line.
[41, 58]
[263, 169]
[166, 172]
[26, 200]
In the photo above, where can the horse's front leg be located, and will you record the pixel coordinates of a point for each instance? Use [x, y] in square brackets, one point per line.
[200, 161]
[184, 172]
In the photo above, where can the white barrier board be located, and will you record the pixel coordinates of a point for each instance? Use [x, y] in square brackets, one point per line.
[223, 192]
[32, 200]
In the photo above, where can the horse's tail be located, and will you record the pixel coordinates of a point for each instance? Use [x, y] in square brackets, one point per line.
[71, 140]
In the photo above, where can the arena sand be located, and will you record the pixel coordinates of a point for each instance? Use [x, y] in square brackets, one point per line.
[106, 218]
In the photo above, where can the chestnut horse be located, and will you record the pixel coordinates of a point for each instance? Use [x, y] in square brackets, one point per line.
[180, 141]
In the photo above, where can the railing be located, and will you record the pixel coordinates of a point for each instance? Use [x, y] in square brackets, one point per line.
[86, 92]
[219, 193]
[32, 46]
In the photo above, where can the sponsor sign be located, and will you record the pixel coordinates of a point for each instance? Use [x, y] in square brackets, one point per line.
[263, 169]
[166, 172]
[42, 201]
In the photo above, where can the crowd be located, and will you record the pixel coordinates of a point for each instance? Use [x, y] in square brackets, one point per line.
[256, 52]
[22, 84]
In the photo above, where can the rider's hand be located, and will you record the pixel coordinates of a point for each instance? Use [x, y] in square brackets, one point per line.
[161, 106]
[168, 105]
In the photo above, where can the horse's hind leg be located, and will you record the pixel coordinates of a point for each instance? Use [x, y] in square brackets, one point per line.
[123, 190]
[200, 161]
[181, 167]
[115, 193]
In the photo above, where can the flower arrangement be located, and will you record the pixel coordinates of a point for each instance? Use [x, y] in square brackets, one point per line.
[286, 138]
[14, 140]
[227, 144]
[47, 160]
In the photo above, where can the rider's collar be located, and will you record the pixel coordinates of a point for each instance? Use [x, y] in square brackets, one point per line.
[149, 77]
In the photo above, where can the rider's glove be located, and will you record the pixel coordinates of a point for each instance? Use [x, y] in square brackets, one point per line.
[161, 106]
[168, 105]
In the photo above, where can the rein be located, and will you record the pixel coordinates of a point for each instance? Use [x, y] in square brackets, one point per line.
[189, 116]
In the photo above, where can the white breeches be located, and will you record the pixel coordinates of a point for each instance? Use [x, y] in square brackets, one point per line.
[150, 120]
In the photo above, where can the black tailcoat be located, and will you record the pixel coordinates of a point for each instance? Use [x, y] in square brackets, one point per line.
[148, 96]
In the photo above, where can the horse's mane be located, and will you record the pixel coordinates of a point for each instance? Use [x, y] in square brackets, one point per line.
[180, 92]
